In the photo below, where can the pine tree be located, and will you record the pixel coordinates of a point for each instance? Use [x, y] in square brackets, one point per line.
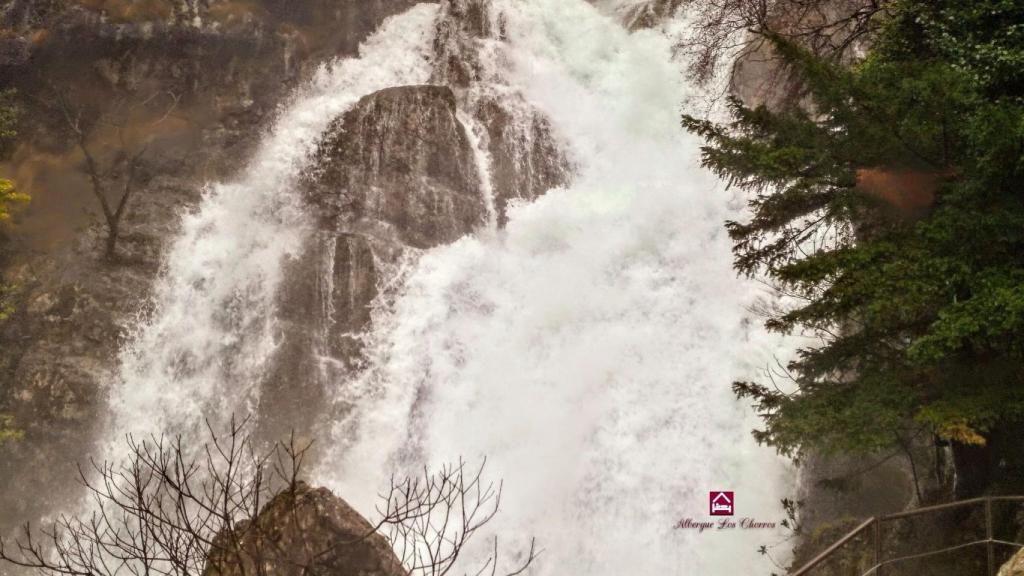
[888, 205]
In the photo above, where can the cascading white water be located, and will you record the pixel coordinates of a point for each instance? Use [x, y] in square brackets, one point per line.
[586, 349]
[211, 331]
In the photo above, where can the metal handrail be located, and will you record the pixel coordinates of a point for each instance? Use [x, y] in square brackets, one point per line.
[875, 522]
[831, 549]
[874, 569]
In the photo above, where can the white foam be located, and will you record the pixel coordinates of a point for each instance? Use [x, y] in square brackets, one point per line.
[587, 350]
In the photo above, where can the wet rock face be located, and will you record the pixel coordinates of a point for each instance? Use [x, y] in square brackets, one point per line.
[461, 25]
[323, 314]
[399, 171]
[353, 289]
[294, 379]
[526, 161]
[396, 171]
[470, 17]
[308, 531]
[60, 346]
[401, 157]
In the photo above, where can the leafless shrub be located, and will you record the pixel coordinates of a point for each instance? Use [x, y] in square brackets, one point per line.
[429, 519]
[161, 510]
[113, 139]
[168, 509]
[725, 30]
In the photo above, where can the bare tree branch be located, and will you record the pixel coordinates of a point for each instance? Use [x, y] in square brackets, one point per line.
[113, 174]
[174, 510]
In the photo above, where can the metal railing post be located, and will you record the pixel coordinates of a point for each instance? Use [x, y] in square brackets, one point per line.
[988, 536]
[878, 548]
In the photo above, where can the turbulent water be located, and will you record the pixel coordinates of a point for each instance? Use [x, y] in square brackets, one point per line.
[586, 349]
[211, 331]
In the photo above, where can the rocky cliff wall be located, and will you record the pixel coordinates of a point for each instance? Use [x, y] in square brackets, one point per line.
[219, 70]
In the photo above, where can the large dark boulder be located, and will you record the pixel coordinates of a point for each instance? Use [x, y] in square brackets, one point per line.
[401, 157]
[395, 171]
[302, 532]
[398, 171]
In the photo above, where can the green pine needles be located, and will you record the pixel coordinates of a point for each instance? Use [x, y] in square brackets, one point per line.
[889, 207]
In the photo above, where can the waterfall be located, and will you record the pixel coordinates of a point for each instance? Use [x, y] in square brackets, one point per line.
[203, 346]
[586, 349]
[482, 159]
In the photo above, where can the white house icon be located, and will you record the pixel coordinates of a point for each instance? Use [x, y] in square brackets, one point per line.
[721, 504]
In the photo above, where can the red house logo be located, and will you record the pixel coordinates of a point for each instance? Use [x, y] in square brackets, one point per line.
[722, 503]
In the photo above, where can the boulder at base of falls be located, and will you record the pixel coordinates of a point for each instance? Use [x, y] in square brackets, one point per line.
[305, 531]
[401, 157]
[1014, 566]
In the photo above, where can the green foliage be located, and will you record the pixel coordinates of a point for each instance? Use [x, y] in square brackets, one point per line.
[9, 196]
[8, 114]
[8, 433]
[920, 316]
